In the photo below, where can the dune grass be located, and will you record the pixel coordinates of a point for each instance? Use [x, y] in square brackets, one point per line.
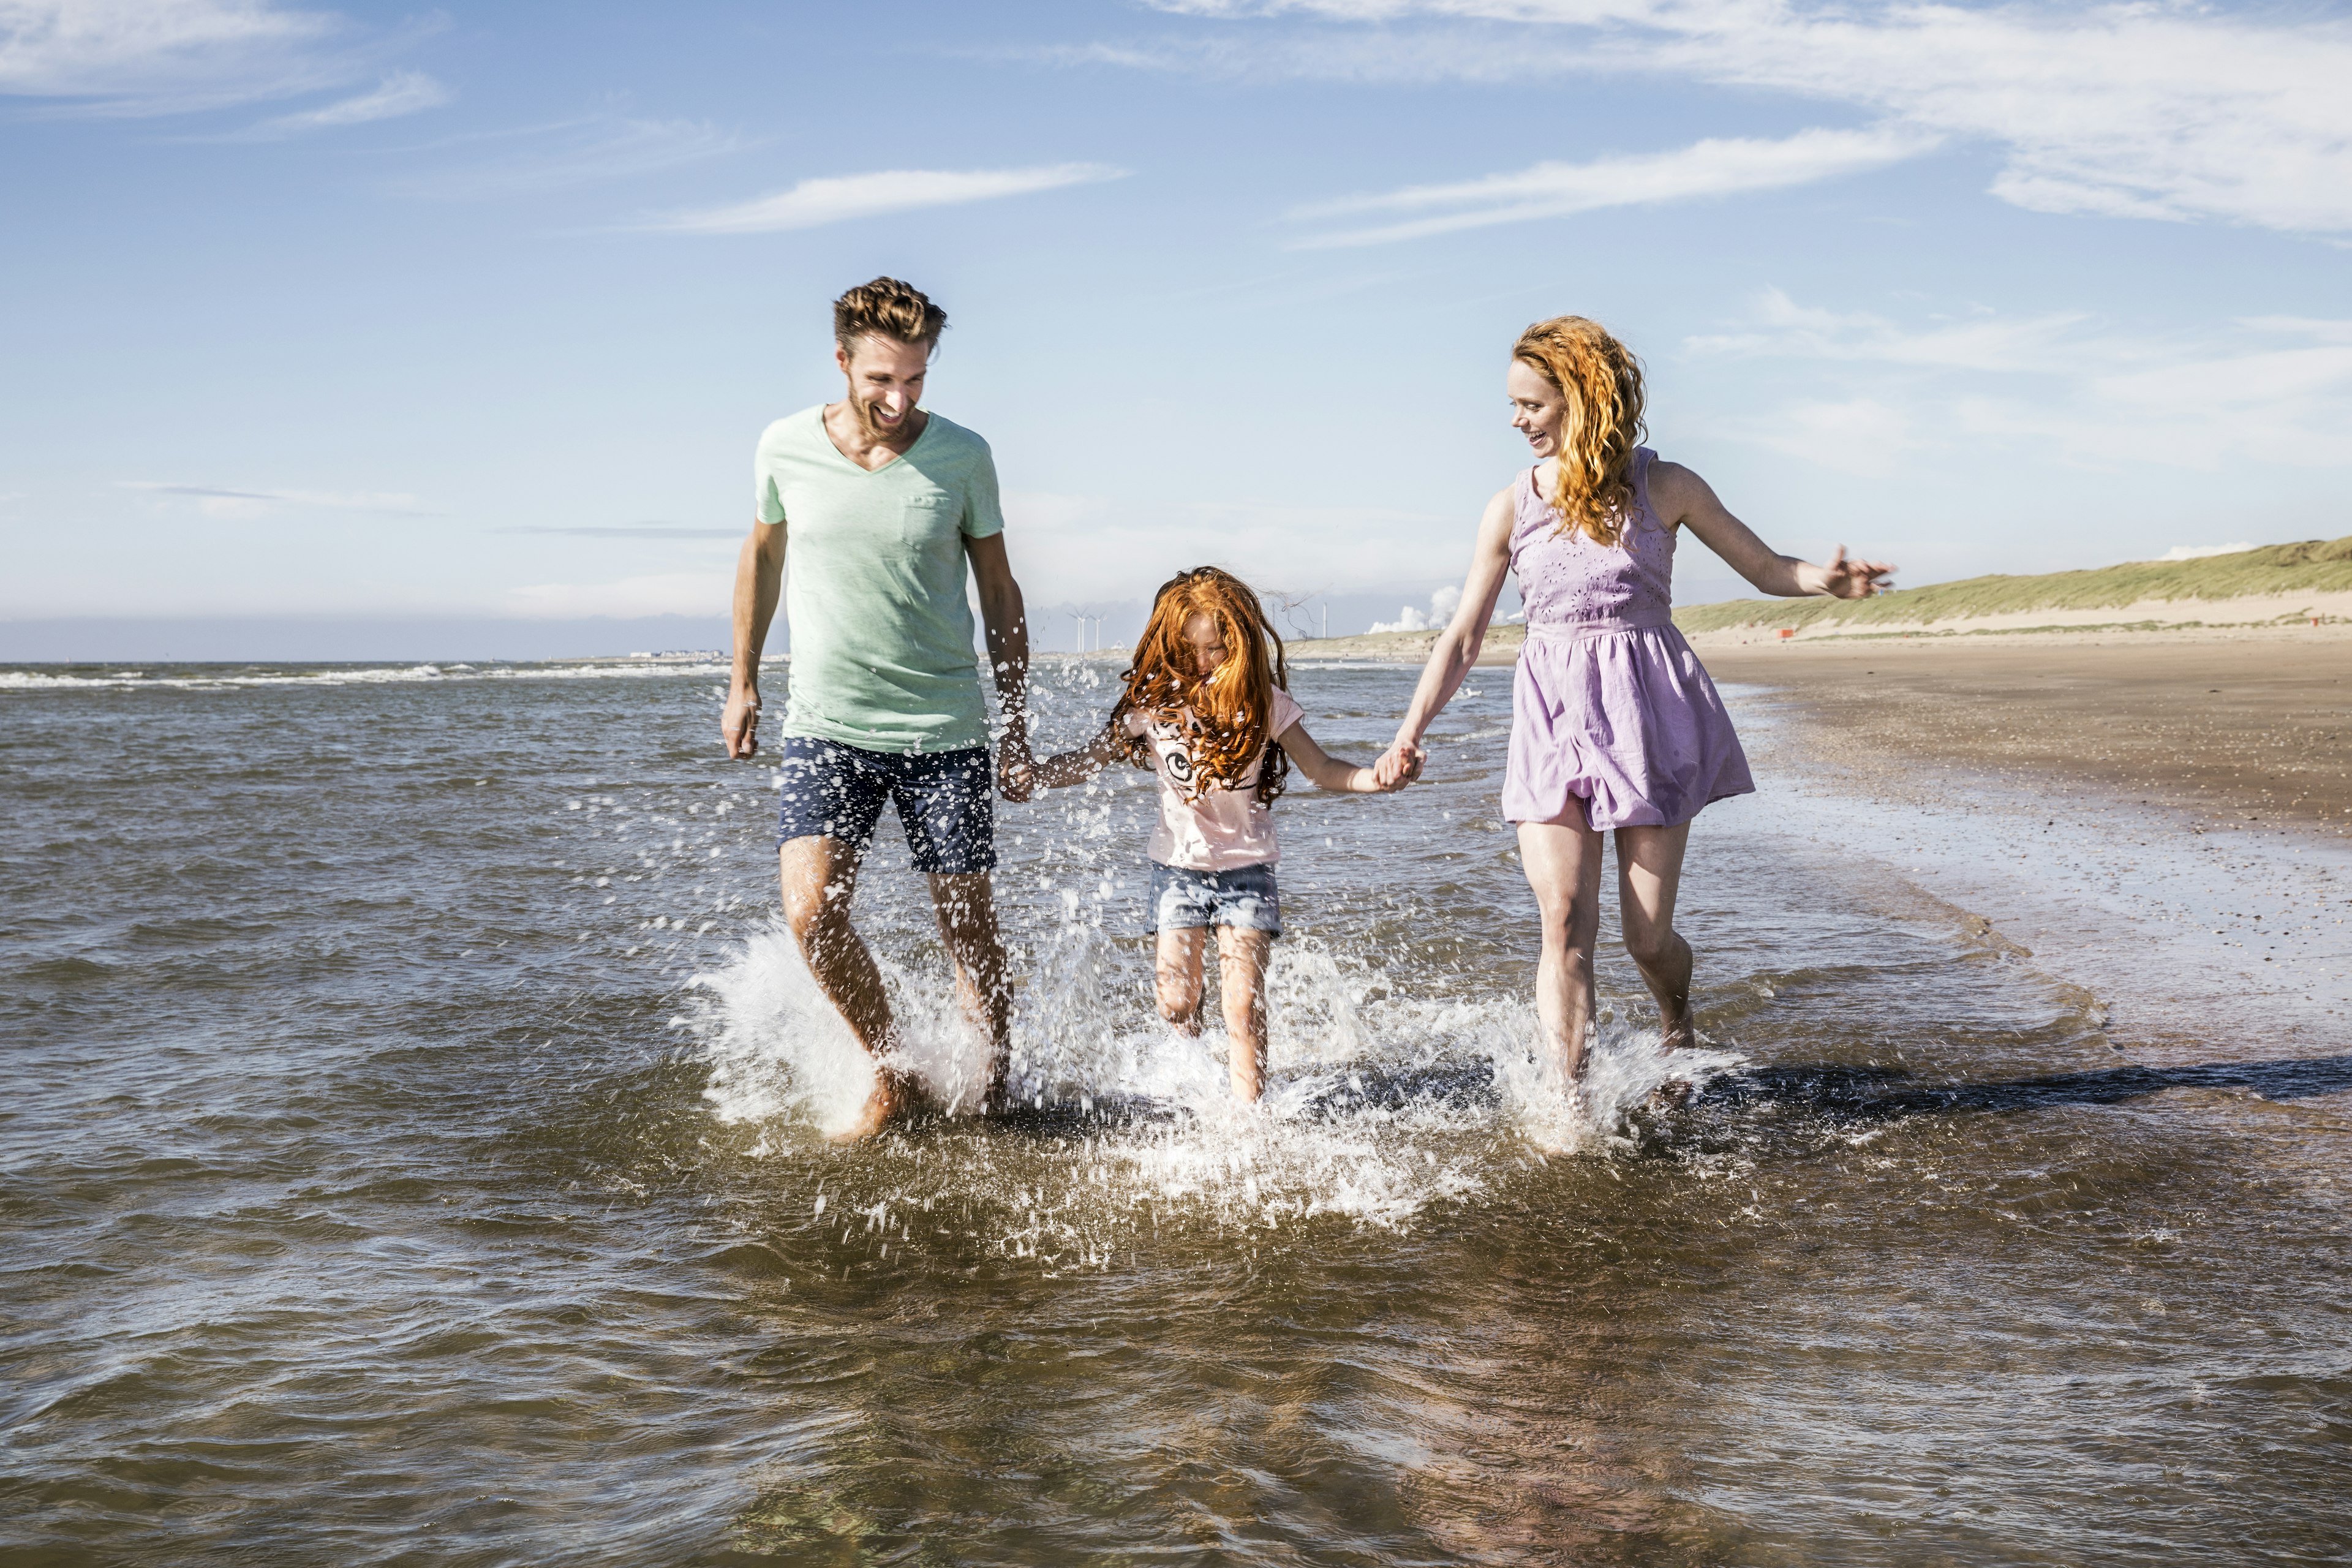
[2314, 566]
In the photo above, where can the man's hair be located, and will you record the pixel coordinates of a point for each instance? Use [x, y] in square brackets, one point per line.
[887, 308]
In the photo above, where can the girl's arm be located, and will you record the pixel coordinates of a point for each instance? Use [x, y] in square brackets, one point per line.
[1327, 771]
[1684, 500]
[1458, 645]
[1026, 774]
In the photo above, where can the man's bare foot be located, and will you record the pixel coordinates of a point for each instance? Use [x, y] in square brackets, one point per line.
[896, 1095]
[996, 1100]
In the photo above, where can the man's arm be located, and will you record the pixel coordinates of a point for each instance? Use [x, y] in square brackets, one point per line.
[759, 581]
[1001, 613]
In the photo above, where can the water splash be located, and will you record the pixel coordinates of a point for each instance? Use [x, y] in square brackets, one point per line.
[1379, 1104]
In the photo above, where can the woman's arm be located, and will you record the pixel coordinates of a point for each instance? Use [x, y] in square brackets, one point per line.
[1457, 646]
[1327, 771]
[1682, 498]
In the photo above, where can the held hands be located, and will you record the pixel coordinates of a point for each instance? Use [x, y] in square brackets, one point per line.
[1398, 766]
[1016, 766]
[1843, 579]
[738, 726]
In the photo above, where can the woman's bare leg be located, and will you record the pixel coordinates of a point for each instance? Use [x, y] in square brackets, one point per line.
[1241, 978]
[1176, 976]
[1649, 874]
[1562, 860]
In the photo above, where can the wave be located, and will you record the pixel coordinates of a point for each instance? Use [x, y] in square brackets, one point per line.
[234, 677]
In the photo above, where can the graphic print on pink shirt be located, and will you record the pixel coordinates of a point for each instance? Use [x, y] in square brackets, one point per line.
[1218, 829]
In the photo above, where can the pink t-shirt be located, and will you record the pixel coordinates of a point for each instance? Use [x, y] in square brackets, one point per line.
[1217, 829]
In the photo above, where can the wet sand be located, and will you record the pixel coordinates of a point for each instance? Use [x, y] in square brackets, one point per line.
[2241, 728]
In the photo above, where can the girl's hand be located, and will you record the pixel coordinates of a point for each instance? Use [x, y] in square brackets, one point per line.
[1016, 768]
[1843, 579]
[1398, 766]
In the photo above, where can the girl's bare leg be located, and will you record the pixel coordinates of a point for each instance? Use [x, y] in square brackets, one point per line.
[1562, 860]
[1176, 977]
[1241, 977]
[1649, 874]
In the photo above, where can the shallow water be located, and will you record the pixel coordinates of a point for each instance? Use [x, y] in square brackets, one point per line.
[413, 1155]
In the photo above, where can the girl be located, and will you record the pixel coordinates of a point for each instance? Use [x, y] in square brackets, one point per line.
[1206, 706]
[1614, 725]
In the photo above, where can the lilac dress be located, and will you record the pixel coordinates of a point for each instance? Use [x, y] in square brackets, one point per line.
[1611, 709]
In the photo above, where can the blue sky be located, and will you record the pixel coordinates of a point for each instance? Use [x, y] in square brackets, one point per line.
[477, 312]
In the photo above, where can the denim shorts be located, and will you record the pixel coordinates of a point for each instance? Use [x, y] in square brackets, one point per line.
[1244, 896]
[947, 800]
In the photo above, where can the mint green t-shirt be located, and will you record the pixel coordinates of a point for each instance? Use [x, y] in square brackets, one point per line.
[874, 569]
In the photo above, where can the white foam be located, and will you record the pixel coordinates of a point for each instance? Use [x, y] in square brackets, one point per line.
[367, 675]
[1377, 1105]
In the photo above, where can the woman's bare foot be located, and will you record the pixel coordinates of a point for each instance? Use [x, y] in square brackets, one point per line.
[1675, 1036]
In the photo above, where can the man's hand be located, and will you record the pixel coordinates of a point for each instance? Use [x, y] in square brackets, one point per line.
[738, 726]
[1843, 579]
[1399, 766]
[1016, 766]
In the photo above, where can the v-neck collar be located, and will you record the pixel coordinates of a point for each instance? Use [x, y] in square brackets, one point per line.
[930, 421]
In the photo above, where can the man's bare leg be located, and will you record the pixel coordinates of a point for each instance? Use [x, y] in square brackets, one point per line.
[819, 876]
[1241, 979]
[1562, 860]
[1649, 875]
[966, 907]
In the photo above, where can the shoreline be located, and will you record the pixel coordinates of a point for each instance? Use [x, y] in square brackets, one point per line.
[2236, 730]
[2243, 726]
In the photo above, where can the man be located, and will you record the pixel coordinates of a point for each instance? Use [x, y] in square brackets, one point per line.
[882, 504]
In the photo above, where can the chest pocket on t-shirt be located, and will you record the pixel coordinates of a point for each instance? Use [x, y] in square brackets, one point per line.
[927, 516]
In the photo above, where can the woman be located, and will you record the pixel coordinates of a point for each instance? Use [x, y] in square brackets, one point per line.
[1614, 726]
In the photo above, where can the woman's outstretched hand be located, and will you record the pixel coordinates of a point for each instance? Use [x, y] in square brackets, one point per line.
[1398, 766]
[1843, 579]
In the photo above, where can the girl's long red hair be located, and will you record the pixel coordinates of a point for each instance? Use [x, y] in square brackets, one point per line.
[1231, 708]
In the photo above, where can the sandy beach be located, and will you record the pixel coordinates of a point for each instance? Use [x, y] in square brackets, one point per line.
[2246, 723]
[2252, 726]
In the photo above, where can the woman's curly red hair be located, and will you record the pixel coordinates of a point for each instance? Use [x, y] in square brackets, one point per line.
[1601, 382]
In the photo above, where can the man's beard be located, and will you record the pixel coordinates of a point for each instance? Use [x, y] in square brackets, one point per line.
[875, 432]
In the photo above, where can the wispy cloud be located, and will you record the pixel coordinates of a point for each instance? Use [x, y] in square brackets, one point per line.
[2275, 390]
[1714, 167]
[1861, 436]
[839, 198]
[1972, 340]
[667, 593]
[215, 500]
[632, 531]
[2150, 110]
[570, 154]
[162, 57]
[406, 92]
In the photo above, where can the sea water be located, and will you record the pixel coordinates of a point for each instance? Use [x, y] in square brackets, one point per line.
[415, 1152]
